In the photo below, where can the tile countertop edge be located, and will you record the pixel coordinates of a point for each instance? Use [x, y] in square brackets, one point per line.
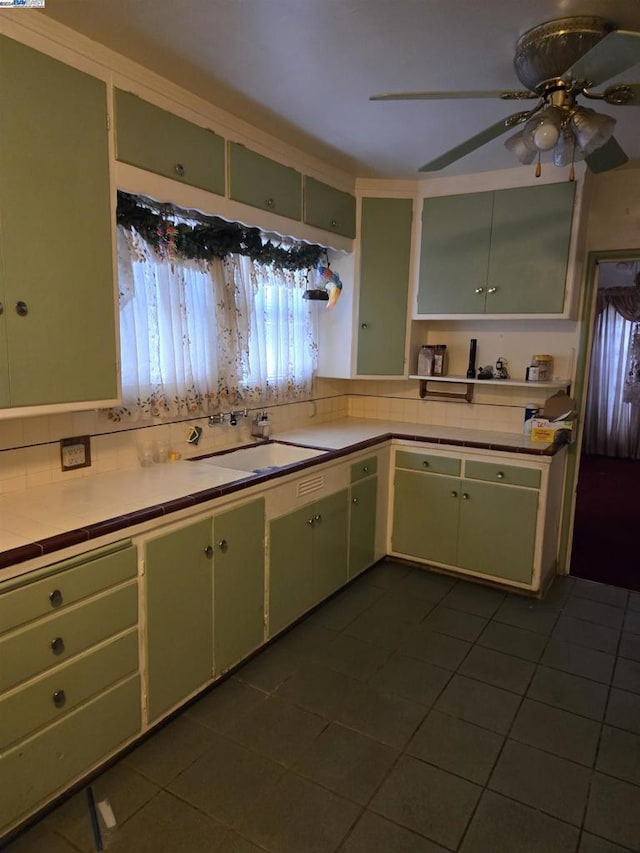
[57, 542]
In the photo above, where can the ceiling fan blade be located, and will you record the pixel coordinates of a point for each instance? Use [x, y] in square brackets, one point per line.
[616, 53]
[631, 93]
[610, 156]
[470, 145]
[438, 96]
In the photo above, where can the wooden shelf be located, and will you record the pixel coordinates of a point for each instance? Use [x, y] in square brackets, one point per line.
[467, 395]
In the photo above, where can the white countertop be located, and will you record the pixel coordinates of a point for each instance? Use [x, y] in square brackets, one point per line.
[43, 511]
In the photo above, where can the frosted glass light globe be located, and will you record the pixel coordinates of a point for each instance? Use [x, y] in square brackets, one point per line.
[545, 135]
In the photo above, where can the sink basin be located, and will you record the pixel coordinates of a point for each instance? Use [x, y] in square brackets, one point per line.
[263, 457]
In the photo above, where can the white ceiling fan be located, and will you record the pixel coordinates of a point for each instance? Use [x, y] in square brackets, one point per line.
[558, 62]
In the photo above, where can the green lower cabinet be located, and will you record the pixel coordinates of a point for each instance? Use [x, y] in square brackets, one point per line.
[484, 528]
[238, 583]
[179, 617]
[308, 558]
[290, 568]
[425, 516]
[330, 544]
[362, 525]
[497, 530]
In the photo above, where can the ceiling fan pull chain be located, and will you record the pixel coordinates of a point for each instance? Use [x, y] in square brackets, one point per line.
[572, 171]
[538, 167]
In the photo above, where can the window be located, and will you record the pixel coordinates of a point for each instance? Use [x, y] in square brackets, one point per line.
[197, 336]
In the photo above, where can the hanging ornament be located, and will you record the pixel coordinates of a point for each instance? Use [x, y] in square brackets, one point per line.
[166, 232]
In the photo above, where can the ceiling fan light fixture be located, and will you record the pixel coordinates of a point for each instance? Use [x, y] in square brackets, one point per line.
[566, 151]
[592, 130]
[523, 150]
[543, 129]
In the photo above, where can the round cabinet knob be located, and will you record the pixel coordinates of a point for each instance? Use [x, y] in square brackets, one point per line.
[59, 699]
[310, 521]
[1, 309]
[55, 598]
[425, 463]
[208, 550]
[465, 496]
[317, 517]
[333, 223]
[479, 290]
[454, 494]
[355, 500]
[270, 202]
[364, 326]
[57, 645]
[500, 475]
[365, 469]
[492, 290]
[21, 309]
[223, 545]
[180, 170]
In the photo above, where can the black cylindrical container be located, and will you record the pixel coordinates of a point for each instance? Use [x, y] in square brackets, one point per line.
[471, 372]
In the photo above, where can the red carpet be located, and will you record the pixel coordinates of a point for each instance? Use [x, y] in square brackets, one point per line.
[606, 538]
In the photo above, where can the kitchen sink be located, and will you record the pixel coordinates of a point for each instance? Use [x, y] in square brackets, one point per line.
[263, 457]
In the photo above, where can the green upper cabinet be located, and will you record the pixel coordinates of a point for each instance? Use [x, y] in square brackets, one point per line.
[57, 327]
[263, 183]
[385, 248]
[238, 583]
[329, 208]
[502, 252]
[160, 142]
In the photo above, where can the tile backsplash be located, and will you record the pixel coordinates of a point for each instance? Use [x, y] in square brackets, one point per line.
[30, 447]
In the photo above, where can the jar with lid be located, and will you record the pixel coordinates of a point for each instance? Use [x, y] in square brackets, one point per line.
[544, 363]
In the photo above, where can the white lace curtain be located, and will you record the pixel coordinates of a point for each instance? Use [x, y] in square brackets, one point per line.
[199, 336]
[612, 422]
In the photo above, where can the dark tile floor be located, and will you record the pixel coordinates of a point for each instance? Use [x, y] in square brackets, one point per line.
[412, 713]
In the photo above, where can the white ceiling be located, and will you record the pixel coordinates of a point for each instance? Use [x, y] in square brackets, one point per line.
[304, 69]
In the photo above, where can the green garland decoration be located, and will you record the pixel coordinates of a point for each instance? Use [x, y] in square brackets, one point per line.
[212, 238]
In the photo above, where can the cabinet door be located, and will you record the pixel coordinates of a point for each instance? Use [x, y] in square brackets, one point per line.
[454, 254]
[156, 140]
[329, 208]
[58, 283]
[362, 529]
[330, 544]
[385, 247]
[529, 249]
[290, 567]
[497, 530]
[238, 583]
[179, 615]
[261, 182]
[425, 516]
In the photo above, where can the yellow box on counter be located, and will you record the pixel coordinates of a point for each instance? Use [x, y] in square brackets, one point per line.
[543, 429]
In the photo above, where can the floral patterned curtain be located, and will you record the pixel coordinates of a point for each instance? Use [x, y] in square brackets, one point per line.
[198, 336]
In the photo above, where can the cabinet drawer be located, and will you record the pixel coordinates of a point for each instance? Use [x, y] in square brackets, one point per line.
[495, 472]
[156, 140]
[52, 641]
[261, 182]
[56, 694]
[64, 584]
[329, 208]
[40, 767]
[364, 468]
[428, 462]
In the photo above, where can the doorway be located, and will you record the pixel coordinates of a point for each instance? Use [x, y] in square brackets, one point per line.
[606, 526]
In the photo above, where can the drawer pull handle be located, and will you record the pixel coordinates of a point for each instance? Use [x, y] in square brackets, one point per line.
[180, 170]
[465, 496]
[500, 475]
[57, 645]
[55, 598]
[223, 544]
[270, 202]
[59, 699]
[355, 500]
[425, 463]
[208, 550]
[365, 469]
[454, 494]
